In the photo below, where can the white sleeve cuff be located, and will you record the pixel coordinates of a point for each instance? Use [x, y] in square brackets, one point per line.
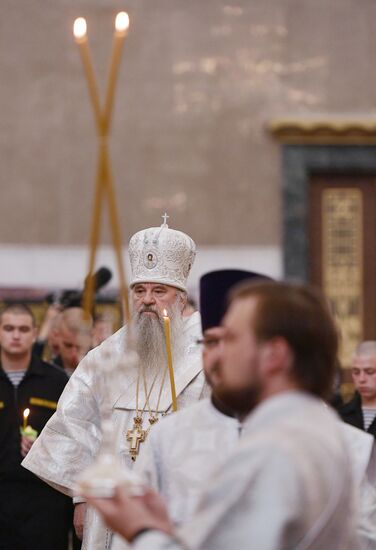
[78, 500]
[156, 540]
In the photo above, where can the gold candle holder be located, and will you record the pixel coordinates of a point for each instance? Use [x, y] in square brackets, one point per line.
[104, 181]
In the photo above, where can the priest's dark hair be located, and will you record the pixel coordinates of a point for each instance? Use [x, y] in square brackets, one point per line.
[18, 309]
[301, 316]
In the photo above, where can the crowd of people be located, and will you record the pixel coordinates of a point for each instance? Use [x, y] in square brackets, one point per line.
[254, 457]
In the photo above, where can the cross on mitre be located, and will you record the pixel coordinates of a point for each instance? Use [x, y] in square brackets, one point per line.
[165, 218]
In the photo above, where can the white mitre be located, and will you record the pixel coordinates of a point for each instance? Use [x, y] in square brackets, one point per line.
[161, 255]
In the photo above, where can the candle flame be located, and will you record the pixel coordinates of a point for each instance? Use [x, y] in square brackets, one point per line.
[26, 413]
[79, 27]
[122, 21]
[165, 313]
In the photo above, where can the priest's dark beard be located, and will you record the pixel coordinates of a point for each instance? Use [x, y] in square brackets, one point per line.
[241, 401]
[150, 337]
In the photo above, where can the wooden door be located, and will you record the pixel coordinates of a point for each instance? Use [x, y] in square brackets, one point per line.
[342, 254]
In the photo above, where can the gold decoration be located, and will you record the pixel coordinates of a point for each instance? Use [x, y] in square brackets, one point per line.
[342, 233]
[104, 181]
[43, 403]
[331, 130]
[136, 436]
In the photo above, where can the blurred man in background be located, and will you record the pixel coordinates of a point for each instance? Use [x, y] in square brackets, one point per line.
[103, 327]
[74, 338]
[361, 410]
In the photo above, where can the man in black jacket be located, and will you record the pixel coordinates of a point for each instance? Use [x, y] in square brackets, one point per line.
[32, 514]
[361, 410]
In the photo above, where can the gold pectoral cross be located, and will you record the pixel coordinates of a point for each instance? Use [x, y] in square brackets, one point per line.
[136, 436]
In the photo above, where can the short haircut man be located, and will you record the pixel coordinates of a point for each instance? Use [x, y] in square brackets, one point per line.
[74, 338]
[18, 308]
[361, 410]
[103, 327]
[32, 515]
[288, 484]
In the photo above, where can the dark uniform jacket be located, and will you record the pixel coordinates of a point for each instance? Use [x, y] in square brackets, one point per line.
[352, 413]
[33, 516]
[39, 391]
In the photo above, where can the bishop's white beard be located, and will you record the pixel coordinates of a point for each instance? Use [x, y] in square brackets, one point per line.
[150, 337]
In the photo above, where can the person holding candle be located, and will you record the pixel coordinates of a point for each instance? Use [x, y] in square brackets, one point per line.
[161, 259]
[32, 515]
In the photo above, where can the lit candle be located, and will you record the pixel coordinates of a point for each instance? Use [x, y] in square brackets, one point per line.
[167, 330]
[25, 417]
[80, 34]
[121, 27]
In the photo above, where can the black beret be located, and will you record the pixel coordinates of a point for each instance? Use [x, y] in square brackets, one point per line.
[214, 288]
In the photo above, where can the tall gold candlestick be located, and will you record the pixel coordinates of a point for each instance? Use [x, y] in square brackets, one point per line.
[167, 330]
[94, 232]
[104, 176]
[116, 240]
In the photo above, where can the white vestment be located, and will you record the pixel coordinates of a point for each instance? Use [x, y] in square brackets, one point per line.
[71, 438]
[363, 462]
[184, 451]
[181, 454]
[288, 485]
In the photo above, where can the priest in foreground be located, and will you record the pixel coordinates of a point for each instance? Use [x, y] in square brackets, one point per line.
[186, 448]
[288, 484]
[161, 259]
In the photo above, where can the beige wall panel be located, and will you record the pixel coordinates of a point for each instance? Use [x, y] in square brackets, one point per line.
[199, 79]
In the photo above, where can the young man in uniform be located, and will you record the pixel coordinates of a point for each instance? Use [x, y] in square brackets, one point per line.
[32, 515]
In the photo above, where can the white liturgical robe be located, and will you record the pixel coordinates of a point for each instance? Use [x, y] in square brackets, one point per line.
[184, 451]
[71, 439]
[288, 485]
[362, 448]
[181, 455]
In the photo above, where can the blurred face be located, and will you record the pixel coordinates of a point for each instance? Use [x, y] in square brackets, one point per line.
[101, 331]
[213, 349]
[54, 340]
[72, 347]
[150, 299]
[17, 334]
[239, 370]
[364, 377]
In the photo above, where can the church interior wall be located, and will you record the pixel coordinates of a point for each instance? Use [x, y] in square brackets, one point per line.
[198, 84]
